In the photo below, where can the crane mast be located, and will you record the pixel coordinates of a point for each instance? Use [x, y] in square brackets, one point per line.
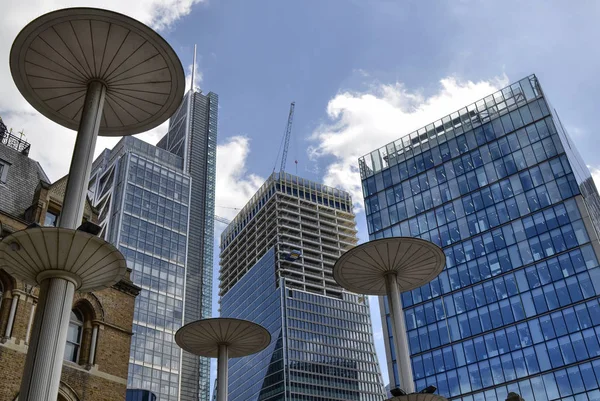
[288, 133]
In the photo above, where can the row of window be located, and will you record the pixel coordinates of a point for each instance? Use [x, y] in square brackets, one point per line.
[502, 287]
[444, 192]
[471, 162]
[325, 307]
[328, 320]
[495, 263]
[173, 249]
[167, 219]
[154, 274]
[576, 321]
[157, 178]
[302, 350]
[489, 201]
[521, 204]
[477, 293]
[335, 382]
[143, 372]
[166, 361]
[163, 388]
[318, 393]
[334, 331]
[581, 380]
[471, 140]
[505, 312]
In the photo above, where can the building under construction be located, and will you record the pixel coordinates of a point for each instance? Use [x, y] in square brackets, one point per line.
[277, 258]
[309, 224]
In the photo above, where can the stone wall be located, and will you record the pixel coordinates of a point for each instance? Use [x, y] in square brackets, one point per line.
[110, 310]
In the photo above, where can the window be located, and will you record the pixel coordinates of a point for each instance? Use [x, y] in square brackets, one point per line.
[51, 219]
[3, 171]
[74, 337]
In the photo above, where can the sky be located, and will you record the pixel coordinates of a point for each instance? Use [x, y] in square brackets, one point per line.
[362, 73]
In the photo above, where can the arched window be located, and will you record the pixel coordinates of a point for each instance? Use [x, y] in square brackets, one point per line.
[74, 336]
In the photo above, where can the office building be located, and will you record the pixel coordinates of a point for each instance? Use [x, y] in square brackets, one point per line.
[156, 203]
[500, 187]
[193, 137]
[277, 257]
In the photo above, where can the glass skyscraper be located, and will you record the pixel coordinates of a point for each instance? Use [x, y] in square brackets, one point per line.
[156, 204]
[500, 187]
[276, 270]
[193, 136]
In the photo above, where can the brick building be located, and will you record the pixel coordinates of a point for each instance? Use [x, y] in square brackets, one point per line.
[97, 353]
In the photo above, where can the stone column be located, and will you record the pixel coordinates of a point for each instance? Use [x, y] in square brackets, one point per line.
[11, 316]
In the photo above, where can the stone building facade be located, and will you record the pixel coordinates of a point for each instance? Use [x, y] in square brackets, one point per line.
[97, 356]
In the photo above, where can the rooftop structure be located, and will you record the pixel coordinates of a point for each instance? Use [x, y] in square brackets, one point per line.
[12, 141]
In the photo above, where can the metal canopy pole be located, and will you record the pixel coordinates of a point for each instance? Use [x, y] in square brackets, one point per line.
[83, 155]
[386, 267]
[405, 373]
[222, 373]
[43, 364]
[222, 338]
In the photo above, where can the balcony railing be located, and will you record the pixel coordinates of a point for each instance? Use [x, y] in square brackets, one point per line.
[13, 142]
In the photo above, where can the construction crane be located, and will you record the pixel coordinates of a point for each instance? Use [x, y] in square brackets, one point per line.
[286, 138]
[222, 220]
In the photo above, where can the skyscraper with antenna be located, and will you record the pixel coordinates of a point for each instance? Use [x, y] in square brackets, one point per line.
[192, 135]
[156, 204]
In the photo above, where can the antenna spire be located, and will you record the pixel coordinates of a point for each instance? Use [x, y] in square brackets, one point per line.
[192, 87]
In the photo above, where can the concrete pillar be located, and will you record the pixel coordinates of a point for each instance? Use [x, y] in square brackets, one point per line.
[30, 323]
[43, 364]
[222, 373]
[83, 154]
[399, 332]
[93, 345]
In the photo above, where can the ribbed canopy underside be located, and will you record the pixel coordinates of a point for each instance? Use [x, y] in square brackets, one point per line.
[55, 57]
[27, 253]
[203, 337]
[363, 269]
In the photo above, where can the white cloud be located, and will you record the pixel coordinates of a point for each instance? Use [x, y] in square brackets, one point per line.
[52, 144]
[360, 122]
[234, 185]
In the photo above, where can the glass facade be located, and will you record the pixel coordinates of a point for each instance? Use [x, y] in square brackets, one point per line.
[330, 348]
[144, 209]
[156, 203]
[257, 298]
[499, 188]
[321, 347]
[192, 136]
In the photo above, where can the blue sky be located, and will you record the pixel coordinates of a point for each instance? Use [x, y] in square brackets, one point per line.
[362, 73]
